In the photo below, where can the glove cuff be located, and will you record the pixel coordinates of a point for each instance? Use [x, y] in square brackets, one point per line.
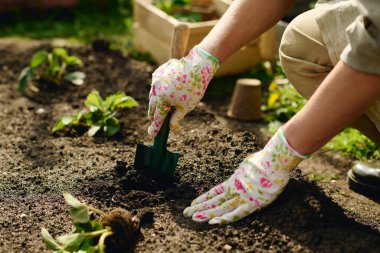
[208, 63]
[278, 153]
[291, 149]
[208, 55]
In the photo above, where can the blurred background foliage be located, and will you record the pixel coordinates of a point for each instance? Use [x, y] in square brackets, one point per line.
[89, 19]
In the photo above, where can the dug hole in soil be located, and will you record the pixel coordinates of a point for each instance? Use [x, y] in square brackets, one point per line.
[36, 167]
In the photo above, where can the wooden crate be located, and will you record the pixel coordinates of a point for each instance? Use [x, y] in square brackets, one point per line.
[153, 30]
[222, 5]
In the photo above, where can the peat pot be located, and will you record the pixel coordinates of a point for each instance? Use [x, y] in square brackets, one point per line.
[245, 102]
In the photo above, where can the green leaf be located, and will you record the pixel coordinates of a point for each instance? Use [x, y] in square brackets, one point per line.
[78, 116]
[126, 101]
[112, 126]
[80, 214]
[89, 118]
[49, 240]
[112, 99]
[87, 247]
[73, 60]
[71, 242]
[38, 58]
[93, 130]
[119, 100]
[59, 51]
[76, 77]
[96, 225]
[55, 70]
[25, 76]
[62, 123]
[95, 102]
[83, 227]
[72, 201]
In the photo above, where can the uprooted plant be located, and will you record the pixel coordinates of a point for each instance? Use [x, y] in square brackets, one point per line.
[51, 67]
[99, 116]
[111, 232]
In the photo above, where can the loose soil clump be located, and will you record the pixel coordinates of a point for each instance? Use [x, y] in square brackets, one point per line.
[37, 167]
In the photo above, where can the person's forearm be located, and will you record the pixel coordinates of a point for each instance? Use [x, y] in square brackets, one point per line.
[342, 97]
[244, 21]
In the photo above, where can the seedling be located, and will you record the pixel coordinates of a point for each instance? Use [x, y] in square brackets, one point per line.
[51, 67]
[169, 6]
[180, 9]
[100, 115]
[90, 234]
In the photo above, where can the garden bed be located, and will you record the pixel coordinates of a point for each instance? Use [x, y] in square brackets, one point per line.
[37, 167]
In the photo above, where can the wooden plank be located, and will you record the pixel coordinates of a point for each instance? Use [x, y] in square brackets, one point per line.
[154, 20]
[242, 61]
[144, 41]
[221, 6]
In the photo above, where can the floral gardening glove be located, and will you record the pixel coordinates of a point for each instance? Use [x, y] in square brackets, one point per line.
[260, 178]
[179, 83]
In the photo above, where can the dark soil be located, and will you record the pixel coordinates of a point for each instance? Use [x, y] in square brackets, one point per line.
[37, 167]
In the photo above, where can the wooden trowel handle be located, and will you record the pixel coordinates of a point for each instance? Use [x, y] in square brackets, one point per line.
[178, 47]
[180, 37]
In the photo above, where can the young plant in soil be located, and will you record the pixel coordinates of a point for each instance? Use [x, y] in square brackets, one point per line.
[113, 231]
[51, 67]
[100, 115]
[184, 10]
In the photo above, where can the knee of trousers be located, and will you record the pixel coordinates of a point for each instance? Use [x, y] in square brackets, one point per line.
[303, 55]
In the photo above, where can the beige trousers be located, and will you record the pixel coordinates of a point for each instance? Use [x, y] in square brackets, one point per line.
[306, 62]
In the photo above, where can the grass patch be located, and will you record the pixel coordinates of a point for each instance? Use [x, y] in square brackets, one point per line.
[354, 144]
[316, 178]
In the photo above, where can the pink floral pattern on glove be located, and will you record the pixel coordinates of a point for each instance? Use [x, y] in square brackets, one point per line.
[179, 83]
[239, 186]
[257, 182]
[264, 182]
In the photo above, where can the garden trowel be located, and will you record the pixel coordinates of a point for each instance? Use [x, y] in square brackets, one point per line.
[157, 158]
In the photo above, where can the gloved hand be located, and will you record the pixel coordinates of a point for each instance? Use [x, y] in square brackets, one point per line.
[179, 83]
[257, 182]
